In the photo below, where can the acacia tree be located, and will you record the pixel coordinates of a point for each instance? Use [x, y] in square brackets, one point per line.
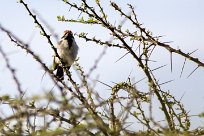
[91, 114]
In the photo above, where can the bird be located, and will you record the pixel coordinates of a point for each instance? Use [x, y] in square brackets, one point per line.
[67, 49]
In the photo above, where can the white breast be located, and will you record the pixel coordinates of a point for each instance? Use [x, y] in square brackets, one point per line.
[68, 55]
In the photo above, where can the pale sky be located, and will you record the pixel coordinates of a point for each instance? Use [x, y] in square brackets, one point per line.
[178, 21]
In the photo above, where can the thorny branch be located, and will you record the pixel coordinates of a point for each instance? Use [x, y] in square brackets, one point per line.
[145, 38]
[13, 72]
[102, 126]
[106, 121]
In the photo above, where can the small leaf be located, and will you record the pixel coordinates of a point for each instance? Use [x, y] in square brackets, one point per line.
[32, 104]
[82, 19]
[97, 1]
[201, 115]
[90, 20]
[62, 18]
[59, 18]
[5, 98]
[42, 33]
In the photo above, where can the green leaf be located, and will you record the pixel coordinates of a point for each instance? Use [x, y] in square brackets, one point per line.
[58, 18]
[5, 98]
[201, 115]
[90, 20]
[32, 104]
[82, 19]
[42, 33]
[97, 1]
[82, 34]
[61, 18]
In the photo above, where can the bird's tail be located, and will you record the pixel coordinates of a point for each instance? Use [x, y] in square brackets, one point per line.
[60, 73]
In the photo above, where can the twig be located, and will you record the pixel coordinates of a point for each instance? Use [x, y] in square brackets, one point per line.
[13, 72]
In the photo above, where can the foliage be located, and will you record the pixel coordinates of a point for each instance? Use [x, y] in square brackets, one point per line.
[91, 114]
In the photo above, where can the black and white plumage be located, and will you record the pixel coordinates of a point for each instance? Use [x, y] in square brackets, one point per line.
[67, 50]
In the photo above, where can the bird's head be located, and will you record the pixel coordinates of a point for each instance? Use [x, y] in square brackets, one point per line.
[68, 34]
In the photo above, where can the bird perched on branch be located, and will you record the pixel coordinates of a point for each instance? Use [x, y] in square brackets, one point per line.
[67, 50]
